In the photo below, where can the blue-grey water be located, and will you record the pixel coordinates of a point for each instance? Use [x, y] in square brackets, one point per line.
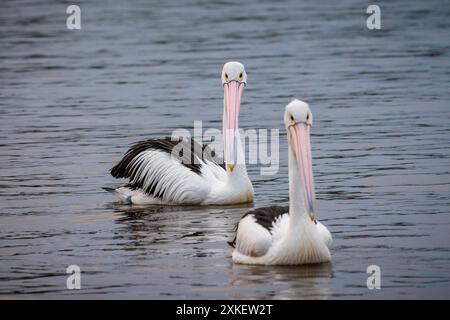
[72, 102]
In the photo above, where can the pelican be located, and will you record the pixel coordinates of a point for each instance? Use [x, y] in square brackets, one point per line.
[287, 235]
[159, 174]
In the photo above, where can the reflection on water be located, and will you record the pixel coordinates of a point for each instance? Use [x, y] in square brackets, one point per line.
[72, 102]
[282, 282]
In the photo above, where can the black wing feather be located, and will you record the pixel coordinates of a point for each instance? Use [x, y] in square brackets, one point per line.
[189, 151]
[264, 216]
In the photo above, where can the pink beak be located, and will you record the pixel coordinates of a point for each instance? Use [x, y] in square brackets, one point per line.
[300, 139]
[233, 94]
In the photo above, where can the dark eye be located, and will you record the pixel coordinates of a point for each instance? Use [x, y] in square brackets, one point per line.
[226, 76]
[292, 117]
[241, 75]
[307, 117]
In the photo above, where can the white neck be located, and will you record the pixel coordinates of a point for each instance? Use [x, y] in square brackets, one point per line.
[240, 168]
[236, 187]
[297, 209]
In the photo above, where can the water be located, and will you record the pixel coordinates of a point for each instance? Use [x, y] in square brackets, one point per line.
[72, 102]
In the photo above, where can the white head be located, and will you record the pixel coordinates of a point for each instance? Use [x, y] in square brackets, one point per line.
[297, 111]
[234, 79]
[298, 121]
[234, 71]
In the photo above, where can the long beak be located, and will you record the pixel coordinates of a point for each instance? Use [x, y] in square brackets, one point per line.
[300, 140]
[233, 94]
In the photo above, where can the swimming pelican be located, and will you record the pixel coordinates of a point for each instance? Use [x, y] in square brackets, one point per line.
[287, 235]
[159, 173]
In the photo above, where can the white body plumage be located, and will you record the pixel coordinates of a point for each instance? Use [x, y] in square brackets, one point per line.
[178, 184]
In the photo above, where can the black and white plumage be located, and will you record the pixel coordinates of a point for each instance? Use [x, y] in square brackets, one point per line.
[190, 154]
[181, 171]
[287, 235]
[265, 217]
